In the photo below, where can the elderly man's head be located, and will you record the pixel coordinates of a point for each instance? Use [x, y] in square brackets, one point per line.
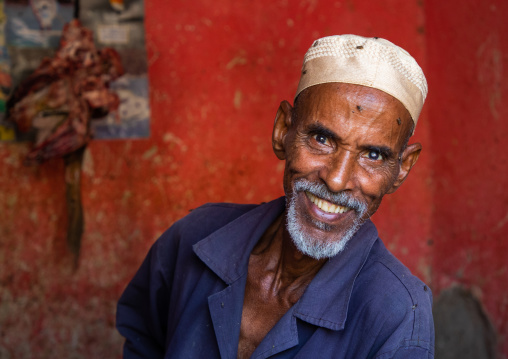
[345, 141]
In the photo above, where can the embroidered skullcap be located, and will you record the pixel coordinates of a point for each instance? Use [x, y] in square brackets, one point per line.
[371, 62]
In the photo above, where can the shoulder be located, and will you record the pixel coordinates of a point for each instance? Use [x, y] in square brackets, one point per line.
[173, 249]
[399, 301]
[383, 269]
[198, 224]
[208, 218]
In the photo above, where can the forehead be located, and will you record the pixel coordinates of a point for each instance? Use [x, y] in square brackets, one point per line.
[355, 111]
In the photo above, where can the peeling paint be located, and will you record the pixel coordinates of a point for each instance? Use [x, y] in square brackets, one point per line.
[88, 166]
[150, 153]
[490, 71]
[235, 61]
[172, 138]
[237, 101]
[12, 200]
[99, 216]
[34, 217]
[126, 195]
[501, 223]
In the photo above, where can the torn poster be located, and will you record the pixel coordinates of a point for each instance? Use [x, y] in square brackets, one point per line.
[32, 32]
[119, 24]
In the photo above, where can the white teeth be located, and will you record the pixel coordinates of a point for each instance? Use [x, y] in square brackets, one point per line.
[325, 205]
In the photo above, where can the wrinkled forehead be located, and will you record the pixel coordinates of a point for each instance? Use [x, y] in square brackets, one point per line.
[343, 107]
[338, 95]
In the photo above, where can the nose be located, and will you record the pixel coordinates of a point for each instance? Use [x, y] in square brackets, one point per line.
[338, 171]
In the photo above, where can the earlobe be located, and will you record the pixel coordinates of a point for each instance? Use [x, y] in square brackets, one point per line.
[408, 160]
[280, 129]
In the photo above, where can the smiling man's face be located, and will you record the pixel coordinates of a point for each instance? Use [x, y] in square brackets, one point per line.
[344, 147]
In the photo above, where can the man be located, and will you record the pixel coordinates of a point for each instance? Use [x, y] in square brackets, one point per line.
[306, 275]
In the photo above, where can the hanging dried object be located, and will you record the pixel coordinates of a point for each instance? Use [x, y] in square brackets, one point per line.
[56, 103]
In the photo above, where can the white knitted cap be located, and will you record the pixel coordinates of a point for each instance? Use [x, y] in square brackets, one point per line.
[371, 62]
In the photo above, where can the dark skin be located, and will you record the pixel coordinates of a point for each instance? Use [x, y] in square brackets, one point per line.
[349, 137]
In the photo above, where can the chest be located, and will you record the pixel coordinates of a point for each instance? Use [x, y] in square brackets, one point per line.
[218, 325]
[258, 318]
[264, 305]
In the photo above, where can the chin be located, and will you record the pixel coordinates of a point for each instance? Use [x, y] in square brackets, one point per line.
[314, 238]
[326, 245]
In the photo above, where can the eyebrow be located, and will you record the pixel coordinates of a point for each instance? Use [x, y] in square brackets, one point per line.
[317, 128]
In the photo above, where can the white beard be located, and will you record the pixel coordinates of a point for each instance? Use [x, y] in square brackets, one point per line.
[309, 245]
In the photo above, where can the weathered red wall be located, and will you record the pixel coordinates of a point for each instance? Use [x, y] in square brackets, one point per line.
[467, 44]
[217, 73]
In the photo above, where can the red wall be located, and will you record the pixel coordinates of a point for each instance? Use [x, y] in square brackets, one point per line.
[467, 62]
[218, 71]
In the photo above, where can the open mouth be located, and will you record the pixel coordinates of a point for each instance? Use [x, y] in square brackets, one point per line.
[326, 206]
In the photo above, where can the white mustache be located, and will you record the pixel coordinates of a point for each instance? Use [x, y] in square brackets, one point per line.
[341, 198]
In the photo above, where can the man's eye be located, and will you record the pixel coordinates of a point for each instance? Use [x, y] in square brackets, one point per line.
[321, 139]
[374, 155]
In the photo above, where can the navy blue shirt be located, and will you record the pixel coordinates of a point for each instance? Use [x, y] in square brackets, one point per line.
[186, 299]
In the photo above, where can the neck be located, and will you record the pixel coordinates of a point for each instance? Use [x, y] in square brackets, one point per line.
[290, 269]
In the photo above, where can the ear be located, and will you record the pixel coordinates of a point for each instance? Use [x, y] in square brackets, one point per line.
[280, 129]
[408, 160]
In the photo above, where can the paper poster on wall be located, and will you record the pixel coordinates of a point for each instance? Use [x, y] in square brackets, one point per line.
[37, 23]
[33, 29]
[119, 24]
[32, 32]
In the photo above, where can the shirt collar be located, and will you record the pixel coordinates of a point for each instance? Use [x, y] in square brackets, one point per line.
[325, 301]
[226, 251]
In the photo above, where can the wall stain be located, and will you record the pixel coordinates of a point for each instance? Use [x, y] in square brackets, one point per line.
[150, 153]
[237, 60]
[490, 71]
[237, 101]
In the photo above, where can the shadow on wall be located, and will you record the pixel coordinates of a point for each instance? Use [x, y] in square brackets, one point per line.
[463, 329]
